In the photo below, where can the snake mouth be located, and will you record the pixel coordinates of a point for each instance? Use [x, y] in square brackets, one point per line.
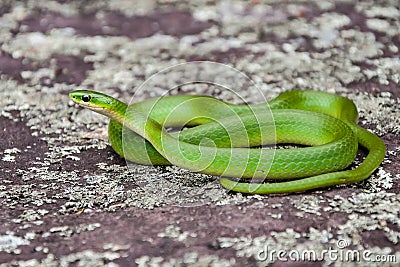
[90, 106]
[93, 107]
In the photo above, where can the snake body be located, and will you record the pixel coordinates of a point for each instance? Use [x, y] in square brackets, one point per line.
[224, 139]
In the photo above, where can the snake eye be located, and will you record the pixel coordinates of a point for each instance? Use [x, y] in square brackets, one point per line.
[86, 98]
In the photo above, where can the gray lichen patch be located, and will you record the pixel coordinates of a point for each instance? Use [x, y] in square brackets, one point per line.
[382, 111]
[309, 204]
[84, 258]
[175, 232]
[8, 154]
[9, 243]
[191, 258]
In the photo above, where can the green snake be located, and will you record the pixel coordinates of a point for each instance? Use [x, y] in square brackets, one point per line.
[231, 141]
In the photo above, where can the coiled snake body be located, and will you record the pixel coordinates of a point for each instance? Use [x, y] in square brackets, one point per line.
[224, 139]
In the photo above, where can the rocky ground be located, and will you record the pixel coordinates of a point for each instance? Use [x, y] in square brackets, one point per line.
[68, 199]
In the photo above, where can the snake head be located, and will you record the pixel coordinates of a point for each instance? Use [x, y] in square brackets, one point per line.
[96, 101]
